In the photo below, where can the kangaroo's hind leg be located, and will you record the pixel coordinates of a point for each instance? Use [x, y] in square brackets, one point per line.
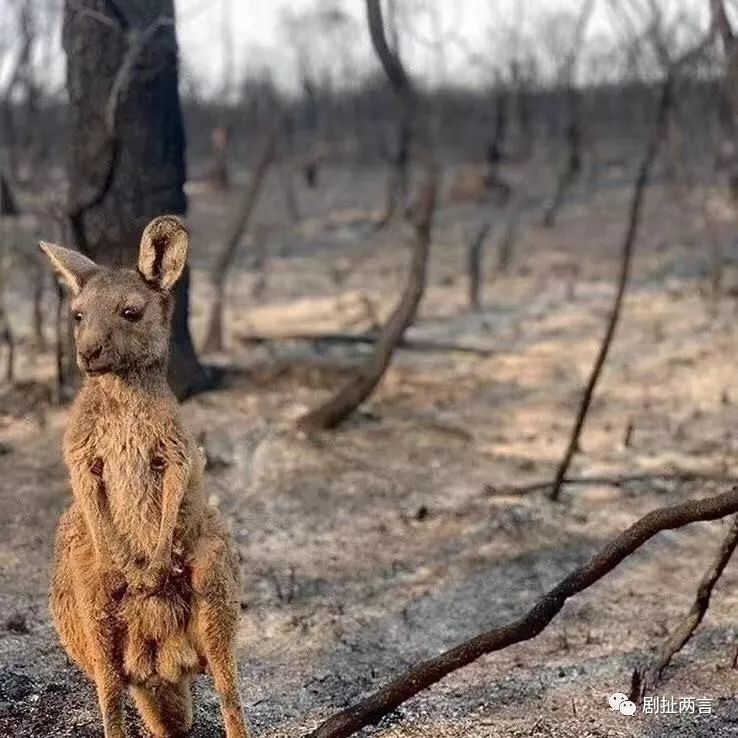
[84, 605]
[215, 620]
[65, 610]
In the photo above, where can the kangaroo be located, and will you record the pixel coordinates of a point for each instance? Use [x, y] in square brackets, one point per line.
[144, 591]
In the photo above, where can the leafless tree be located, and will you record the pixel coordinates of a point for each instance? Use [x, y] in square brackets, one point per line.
[127, 141]
[358, 389]
[573, 129]
[474, 264]
[407, 102]
[658, 135]
[224, 262]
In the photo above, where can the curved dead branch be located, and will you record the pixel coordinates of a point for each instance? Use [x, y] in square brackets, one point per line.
[421, 676]
[333, 412]
[645, 678]
[404, 91]
[350, 396]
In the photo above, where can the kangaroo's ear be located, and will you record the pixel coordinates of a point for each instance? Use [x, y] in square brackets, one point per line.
[74, 268]
[163, 252]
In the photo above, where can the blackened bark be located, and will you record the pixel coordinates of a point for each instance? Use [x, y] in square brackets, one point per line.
[136, 169]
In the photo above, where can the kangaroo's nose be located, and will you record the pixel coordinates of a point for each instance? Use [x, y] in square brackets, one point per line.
[91, 354]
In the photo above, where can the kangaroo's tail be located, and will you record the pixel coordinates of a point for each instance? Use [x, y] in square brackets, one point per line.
[165, 709]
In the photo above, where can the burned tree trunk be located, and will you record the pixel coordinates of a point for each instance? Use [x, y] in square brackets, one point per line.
[407, 102]
[8, 206]
[126, 162]
[722, 28]
[218, 175]
[573, 166]
[496, 146]
[644, 175]
[474, 264]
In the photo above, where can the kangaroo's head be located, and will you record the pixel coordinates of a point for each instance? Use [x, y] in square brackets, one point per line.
[122, 316]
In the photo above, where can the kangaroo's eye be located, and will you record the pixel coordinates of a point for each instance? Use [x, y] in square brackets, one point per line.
[131, 314]
[78, 317]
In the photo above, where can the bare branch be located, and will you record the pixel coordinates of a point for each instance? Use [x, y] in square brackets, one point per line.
[357, 390]
[645, 678]
[412, 344]
[421, 676]
[644, 174]
[614, 481]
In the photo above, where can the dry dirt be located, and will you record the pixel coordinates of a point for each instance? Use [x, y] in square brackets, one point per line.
[365, 550]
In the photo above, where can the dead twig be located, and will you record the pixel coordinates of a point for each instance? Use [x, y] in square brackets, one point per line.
[646, 677]
[614, 481]
[421, 676]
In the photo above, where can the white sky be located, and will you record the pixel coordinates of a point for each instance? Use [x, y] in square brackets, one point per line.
[476, 35]
[485, 26]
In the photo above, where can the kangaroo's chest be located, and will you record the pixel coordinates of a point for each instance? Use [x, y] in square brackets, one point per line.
[129, 462]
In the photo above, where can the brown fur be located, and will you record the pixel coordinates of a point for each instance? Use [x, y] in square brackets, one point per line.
[144, 592]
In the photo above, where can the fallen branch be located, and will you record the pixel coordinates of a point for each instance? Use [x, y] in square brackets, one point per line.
[615, 481]
[411, 344]
[658, 134]
[645, 678]
[421, 676]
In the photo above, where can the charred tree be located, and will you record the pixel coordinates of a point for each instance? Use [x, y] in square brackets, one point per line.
[406, 98]
[724, 31]
[475, 265]
[496, 146]
[8, 205]
[339, 407]
[573, 165]
[126, 159]
[573, 132]
[656, 138]
[218, 175]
